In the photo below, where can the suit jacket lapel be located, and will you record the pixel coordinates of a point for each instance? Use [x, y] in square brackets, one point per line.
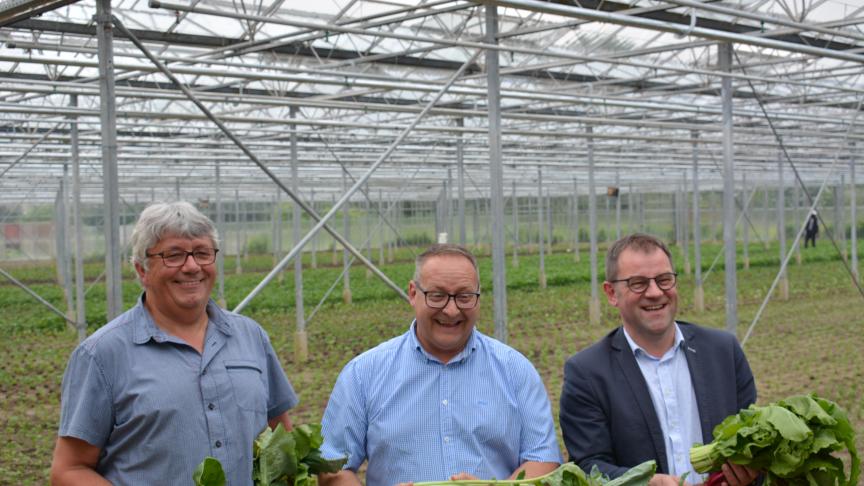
[700, 382]
[642, 397]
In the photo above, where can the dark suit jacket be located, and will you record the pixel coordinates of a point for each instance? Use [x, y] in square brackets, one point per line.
[607, 417]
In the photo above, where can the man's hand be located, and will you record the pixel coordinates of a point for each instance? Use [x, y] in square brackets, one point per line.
[665, 480]
[735, 475]
[462, 476]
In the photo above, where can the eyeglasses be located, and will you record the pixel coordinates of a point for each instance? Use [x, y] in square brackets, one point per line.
[439, 300]
[177, 258]
[639, 284]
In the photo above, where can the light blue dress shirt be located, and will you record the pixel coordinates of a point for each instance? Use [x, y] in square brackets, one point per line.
[156, 407]
[674, 398]
[416, 419]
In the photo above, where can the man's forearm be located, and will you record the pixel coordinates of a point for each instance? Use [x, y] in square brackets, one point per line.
[79, 476]
[345, 477]
[534, 469]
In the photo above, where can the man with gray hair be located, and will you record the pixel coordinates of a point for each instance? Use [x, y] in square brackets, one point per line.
[174, 379]
[441, 401]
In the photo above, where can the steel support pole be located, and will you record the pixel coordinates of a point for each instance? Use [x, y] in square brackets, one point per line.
[841, 221]
[277, 230]
[301, 345]
[541, 229]
[391, 242]
[460, 176]
[594, 303]
[238, 265]
[110, 192]
[381, 211]
[61, 253]
[367, 222]
[80, 304]
[698, 292]
[514, 206]
[314, 262]
[853, 213]
[617, 205]
[335, 252]
[725, 57]
[496, 177]
[685, 230]
[630, 202]
[549, 222]
[797, 206]
[781, 225]
[640, 198]
[220, 230]
[346, 257]
[576, 244]
[838, 216]
[745, 210]
[448, 205]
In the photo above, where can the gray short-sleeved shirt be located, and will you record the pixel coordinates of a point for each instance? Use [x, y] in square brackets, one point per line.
[156, 407]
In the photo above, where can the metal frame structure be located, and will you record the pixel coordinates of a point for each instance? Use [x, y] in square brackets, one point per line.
[590, 94]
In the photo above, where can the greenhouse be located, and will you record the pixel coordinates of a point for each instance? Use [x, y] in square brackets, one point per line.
[332, 142]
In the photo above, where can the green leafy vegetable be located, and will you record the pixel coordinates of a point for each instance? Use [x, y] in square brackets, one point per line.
[568, 474]
[209, 473]
[279, 458]
[791, 440]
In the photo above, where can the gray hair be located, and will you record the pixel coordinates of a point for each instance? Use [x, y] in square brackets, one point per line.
[445, 249]
[638, 242]
[160, 219]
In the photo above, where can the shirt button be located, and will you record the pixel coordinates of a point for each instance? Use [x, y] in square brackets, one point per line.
[444, 402]
[218, 444]
[446, 440]
[211, 406]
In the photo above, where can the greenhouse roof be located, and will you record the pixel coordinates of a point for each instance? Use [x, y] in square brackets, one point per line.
[632, 84]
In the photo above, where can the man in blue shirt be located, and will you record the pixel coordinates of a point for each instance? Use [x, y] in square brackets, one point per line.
[175, 379]
[441, 401]
[653, 387]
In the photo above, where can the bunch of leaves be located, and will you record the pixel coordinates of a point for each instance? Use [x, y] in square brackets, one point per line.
[792, 441]
[568, 474]
[279, 457]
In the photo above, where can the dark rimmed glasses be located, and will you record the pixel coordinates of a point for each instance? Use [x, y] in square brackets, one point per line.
[439, 300]
[639, 284]
[177, 258]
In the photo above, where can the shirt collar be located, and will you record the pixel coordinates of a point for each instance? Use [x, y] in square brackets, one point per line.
[469, 348]
[637, 350]
[145, 327]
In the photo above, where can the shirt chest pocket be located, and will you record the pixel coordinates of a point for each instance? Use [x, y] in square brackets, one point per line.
[247, 382]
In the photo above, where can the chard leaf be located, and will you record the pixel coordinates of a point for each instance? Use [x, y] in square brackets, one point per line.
[317, 464]
[637, 475]
[307, 437]
[209, 473]
[789, 425]
[807, 408]
[275, 458]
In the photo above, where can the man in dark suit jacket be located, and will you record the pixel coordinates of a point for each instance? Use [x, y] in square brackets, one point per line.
[651, 384]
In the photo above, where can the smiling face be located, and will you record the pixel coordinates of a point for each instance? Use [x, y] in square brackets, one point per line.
[443, 333]
[179, 292]
[648, 317]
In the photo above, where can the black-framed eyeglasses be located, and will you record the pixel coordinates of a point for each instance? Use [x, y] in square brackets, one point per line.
[639, 284]
[177, 258]
[439, 300]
